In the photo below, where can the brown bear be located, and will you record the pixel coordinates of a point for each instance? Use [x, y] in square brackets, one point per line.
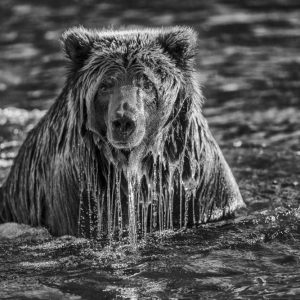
[125, 145]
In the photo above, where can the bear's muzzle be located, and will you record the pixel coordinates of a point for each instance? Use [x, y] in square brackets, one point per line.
[122, 128]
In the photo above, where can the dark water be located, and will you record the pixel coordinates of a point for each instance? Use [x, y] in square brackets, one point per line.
[249, 60]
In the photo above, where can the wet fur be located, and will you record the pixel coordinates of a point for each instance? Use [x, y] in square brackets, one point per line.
[64, 176]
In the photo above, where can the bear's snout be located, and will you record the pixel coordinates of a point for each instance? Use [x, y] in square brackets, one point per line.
[122, 127]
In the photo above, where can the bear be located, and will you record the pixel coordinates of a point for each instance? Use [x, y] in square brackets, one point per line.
[125, 146]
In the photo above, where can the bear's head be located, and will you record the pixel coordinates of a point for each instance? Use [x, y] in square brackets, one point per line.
[128, 81]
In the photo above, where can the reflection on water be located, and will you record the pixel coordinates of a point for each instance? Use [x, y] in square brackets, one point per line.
[249, 62]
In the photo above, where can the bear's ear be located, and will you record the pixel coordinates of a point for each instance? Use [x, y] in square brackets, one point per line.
[77, 44]
[180, 43]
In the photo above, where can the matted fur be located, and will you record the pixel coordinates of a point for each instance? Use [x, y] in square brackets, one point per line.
[71, 180]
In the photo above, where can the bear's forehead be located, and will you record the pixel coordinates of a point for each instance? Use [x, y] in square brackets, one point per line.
[167, 50]
[124, 46]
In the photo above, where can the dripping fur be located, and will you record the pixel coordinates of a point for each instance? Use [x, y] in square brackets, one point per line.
[184, 179]
[74, 182]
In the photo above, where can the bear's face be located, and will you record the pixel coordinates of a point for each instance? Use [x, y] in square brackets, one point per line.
[127, 106]
[129, 79]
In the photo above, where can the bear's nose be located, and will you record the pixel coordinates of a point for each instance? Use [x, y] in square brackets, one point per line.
[123, 126]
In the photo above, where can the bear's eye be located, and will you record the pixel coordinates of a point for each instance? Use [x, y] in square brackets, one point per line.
[107, 85]
[147, 85]
[161, 73]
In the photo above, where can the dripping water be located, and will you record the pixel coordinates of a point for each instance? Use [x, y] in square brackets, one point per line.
[131, 211]
[167, 191]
